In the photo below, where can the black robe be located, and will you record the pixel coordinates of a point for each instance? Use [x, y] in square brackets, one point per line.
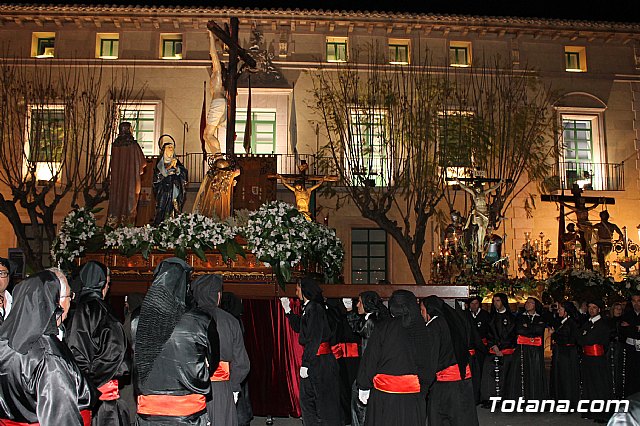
[565, 374]
[616, 357]
[502, 332]
[221, 407]
[452, 402]
[631, 334]
[39, 379]
[595, 372]
[183, 367]
[479, 340]
[320, 392]
[389, 351]
[99, 346]
[529, 378]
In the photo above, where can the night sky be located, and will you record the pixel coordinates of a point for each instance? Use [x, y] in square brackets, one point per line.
[613, 10]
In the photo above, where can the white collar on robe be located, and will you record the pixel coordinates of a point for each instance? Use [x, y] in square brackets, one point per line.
[594, 319]
[8, 302]
[432, 318]
[502, 311]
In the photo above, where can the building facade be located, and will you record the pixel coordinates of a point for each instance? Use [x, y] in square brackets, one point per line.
[594, 67]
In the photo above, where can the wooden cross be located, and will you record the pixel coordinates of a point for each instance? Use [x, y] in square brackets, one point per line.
[231, 72]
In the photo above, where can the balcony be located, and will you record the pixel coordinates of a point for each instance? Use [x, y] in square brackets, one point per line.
[590, 176]
[286, 165]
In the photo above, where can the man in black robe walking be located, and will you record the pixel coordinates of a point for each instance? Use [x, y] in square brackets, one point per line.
[234, 364]
[528, 379]
[631, 334]
[319, 388]
[498, 365]
[450, 389]
[177, 349]
[593, 336]
[99, 345]
[565, 373]
[480, 321]
[392, 377]
[40, 381]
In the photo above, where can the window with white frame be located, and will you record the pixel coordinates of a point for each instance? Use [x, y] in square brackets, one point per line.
[107, 45]
[460, 53]
[43, 44]
[263, 130]
[583, 155]
[368, 155]
[398, 51]
[337, 49]
[171, 46]
[45, 141]
[575, 59]
[145, 124]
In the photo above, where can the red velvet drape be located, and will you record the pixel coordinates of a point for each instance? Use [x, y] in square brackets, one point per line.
[275, 354]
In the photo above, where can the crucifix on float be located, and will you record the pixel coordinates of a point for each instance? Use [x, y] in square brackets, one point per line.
[578, 204]
[239, 59]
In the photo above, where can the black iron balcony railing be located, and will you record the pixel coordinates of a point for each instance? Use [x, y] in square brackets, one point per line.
[591, 176]
[286, 164]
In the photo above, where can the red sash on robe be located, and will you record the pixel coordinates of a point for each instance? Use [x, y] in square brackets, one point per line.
[171, 405]
[452, 374]
[593, 350]
[109, 391]
[86, 420]
[345, 350]
[505, 351]
[222, 372]
[529, 341]
[324, 349]
[407, 383]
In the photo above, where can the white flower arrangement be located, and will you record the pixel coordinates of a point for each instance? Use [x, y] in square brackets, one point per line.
[77, 229]
[276, 233]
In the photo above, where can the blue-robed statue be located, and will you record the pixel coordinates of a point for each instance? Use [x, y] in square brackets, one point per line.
[170, 179]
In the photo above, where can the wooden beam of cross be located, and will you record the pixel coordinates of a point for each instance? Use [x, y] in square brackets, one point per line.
[229, 36]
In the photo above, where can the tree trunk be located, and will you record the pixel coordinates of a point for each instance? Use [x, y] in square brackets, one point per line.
[405, 245]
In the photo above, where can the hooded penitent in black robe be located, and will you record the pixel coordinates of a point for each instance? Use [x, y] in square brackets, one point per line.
[226, 380]
[616, 356]
[395, 349]
[631, 335]
[565, 374]
[450, 398]
[98, 343]
[375, 312]
[498, 370]
[319, 392]
[479, 334]
[529, 377]
[174, 353]
[594, 366]
[39, 380]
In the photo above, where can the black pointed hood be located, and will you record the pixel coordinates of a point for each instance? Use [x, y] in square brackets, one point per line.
[93, 277]
[35, 308]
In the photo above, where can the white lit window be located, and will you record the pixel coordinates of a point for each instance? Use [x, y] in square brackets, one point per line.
[398, 51]
[583, 161]
[336, 49]
[44, 147]
[107, 45]
[263, 130]
[369, 150]
[43, 45]
[460, 53]
[171, 46]
[575, 58]
[455, 139]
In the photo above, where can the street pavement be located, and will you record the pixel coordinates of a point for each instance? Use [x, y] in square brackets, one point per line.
[485, 417]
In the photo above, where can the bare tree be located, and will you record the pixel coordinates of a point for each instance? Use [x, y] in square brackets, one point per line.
[56, 124]
[397, 133]
[382, 127]
[512, 127]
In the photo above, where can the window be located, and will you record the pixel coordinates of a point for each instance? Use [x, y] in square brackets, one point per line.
[263, 130]
[583, 160]
[336, 49]
[42, 45]
[575, 58]
[45, 141]
[107, 46]
[144, 119]
[460, 54]
[369, 153]
[171, 46]
[368, 256]
[398, 51]
[455, 137]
